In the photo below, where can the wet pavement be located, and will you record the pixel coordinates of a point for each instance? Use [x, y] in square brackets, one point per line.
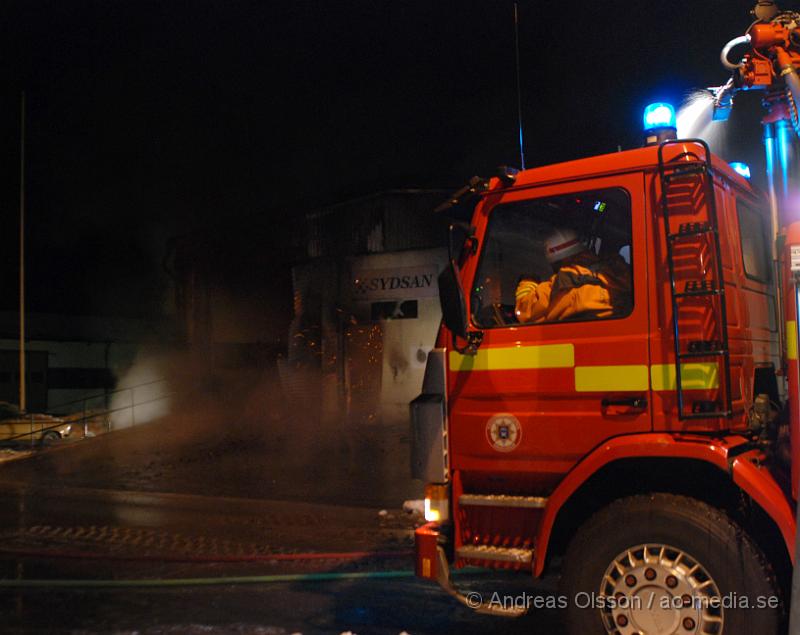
[183, 528]
[200, 499]
[89, 534]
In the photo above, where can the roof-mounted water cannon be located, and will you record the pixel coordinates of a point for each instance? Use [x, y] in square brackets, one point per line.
[770, 63]
[754, 69]
[767, 58]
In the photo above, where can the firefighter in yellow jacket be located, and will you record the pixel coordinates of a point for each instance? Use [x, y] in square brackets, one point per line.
[583, 287]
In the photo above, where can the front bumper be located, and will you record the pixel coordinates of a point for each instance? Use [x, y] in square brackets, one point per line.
[431, 564]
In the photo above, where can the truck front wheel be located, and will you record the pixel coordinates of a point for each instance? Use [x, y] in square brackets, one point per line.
[665, 564]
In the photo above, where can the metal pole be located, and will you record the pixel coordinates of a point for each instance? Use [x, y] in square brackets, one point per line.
[786, 168]
[22, 396]
[772, 158]
[770, 152]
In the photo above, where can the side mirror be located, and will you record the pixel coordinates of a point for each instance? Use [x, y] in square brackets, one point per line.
[451, 297]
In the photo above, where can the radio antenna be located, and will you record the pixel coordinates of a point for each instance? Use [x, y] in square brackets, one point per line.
[519, 88]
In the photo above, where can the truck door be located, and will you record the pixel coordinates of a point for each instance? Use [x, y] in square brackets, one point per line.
[540, 394]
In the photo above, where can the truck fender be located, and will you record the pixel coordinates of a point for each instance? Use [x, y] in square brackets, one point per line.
[732, 455]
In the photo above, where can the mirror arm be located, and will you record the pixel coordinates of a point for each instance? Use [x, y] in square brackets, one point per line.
[475, 186]
[474, 339]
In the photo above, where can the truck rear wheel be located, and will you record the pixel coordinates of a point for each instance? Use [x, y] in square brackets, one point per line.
[664, 564]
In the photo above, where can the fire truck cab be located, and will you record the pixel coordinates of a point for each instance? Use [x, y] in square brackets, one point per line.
[645, 441]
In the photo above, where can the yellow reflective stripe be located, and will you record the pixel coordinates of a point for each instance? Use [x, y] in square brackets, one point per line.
[694, 376]
[515, 358]
[634, 377]
[609, 378]
[791, 339]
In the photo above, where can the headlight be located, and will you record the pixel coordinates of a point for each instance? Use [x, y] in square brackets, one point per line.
[437, 502]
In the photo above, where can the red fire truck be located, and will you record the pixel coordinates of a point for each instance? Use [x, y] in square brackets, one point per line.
[649, 445]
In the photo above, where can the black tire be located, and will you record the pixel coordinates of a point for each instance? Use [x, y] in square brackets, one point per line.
[699, 532]
[49, 438]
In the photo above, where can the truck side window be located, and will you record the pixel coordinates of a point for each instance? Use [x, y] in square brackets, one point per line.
[755, 252]
[556, 259]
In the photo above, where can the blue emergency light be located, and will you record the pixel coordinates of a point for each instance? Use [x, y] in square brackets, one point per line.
[659, 115]
[741, 168]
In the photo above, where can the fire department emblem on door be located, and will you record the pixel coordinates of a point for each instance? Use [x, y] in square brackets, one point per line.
[503, 432]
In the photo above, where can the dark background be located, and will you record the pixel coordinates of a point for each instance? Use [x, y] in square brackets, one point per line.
[228, 118]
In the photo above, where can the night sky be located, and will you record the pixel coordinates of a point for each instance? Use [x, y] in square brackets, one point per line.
[225, 118]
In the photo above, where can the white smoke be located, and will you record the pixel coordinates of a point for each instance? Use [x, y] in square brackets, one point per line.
[143, 393]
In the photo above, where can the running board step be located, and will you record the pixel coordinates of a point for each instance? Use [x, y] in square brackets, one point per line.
[499, 500]
[473, 601]
[496, 554]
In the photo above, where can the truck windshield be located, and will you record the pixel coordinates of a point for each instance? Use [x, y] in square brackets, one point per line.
[554, 259]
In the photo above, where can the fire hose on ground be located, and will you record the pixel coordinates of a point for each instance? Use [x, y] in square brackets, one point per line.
[259, 557]
[283, 578]
[212, 581]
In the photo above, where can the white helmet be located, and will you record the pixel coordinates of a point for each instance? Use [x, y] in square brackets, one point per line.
[562, 243]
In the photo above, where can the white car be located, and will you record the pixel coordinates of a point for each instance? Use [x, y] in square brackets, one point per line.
[19, 428]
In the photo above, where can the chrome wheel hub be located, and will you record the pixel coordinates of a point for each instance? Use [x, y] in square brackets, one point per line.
[656, 589]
